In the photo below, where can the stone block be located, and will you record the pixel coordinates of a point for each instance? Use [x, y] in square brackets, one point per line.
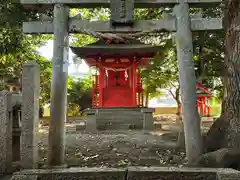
[91, 122]
[30, 115]
[148, 123]
[80, 127]
[122, 11]
[91, 125]
[25, 177]
[170, 173]
[157, 126]
[133, 173]
[5, 133]
[76, 174]
[228, 174]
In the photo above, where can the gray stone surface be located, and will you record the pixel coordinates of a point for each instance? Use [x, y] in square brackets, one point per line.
[137, 3]
[132, 173]
[119, 118]
[25, 177]
[91, 125]
[122, 11]
[99, 26]
[165, 173]
[148, 123]
[228, 174]
[187, 79]
[5, 133]
[30, 115]
[58, 110]
[77, 174]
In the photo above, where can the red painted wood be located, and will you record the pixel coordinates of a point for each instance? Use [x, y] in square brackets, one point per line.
[120, 91]
[134, 84]
[118, 97]
[94, 61]
[112, 81]
[101, 86]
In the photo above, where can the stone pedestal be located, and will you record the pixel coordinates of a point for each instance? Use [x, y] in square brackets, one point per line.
[5, 133]
[147, 118]
[91, 124]
[30, 115]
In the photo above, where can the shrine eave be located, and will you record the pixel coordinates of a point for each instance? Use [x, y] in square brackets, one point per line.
[116, 50]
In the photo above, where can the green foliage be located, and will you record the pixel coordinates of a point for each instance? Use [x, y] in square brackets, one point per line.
[162, 72]
[12, 15]
[209, 50]
[80, 93]
[17, 48]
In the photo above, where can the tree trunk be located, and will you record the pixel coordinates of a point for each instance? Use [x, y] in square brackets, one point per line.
[177, 99]
[225, 132]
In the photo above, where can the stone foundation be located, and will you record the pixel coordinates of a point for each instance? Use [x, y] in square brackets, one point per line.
[132, 173]
[119, 119]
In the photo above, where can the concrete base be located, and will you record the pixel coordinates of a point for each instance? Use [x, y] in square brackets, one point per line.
[132, 173]
[91, 125]
[119, 119]
[148, 123]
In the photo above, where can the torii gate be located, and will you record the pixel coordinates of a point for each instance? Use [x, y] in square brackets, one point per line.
[121, 22]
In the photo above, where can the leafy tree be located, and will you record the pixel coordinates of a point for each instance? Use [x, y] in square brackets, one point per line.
[17, 48]
[80, 93]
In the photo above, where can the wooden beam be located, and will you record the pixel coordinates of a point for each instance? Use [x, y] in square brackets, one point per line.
[106, 3]
[77, 26]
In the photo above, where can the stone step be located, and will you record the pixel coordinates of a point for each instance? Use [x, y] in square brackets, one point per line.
[117, 123]
[120, 118]
[119, 127]
[119, 110]
[119, 113]
[70, 128]
[128, 121]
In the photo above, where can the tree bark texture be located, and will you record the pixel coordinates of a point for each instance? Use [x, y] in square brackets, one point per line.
[225, 132]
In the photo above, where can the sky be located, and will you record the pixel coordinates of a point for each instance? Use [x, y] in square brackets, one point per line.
[47, 52]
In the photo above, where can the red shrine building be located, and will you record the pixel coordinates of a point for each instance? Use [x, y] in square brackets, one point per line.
[117, 82]
[203, 101]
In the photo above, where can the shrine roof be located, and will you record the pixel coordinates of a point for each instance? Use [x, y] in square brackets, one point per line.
[201, 91]
[100, 48]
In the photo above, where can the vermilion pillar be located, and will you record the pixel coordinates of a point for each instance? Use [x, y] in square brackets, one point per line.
[101, 85]
[209, 107]
[134, 83]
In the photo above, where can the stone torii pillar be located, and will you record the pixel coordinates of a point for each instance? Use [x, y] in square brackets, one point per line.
[56, 152]
[187, 78]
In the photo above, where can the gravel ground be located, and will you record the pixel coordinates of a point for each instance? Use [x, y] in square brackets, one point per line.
[117, 149]
[123, 148]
